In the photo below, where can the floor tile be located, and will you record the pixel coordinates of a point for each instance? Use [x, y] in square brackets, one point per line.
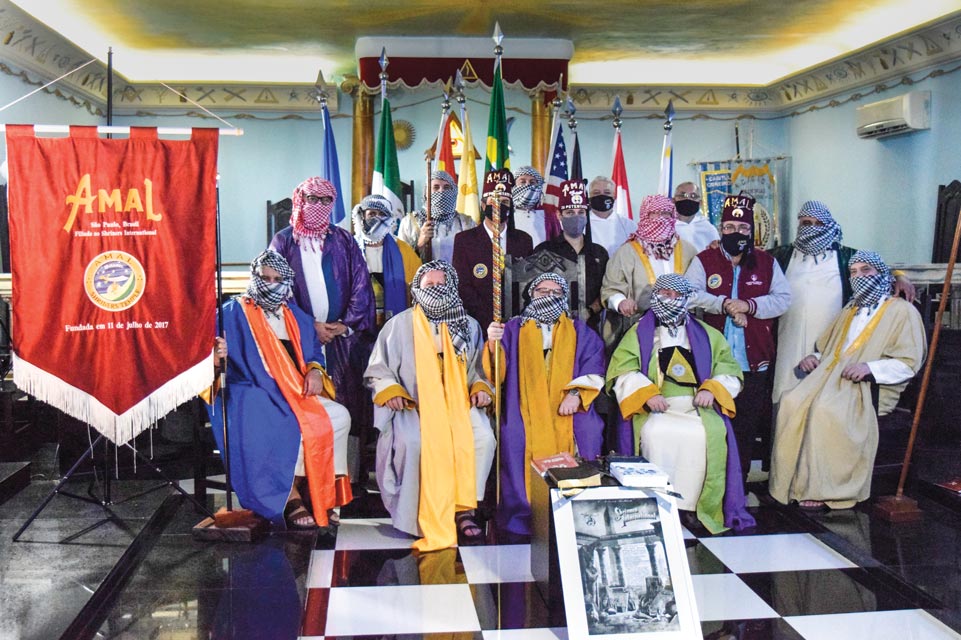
[825, 591]
[502, 563]
[405, 609]
[760, 629]
[556, 633]
[724, 596]
[393, 567]
[321, 566]
[701, 560]
[875, 625]
[316, 606]
[779, 552]
[371, 533]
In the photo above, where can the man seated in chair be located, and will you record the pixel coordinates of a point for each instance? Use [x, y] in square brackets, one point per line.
[826, 435]
[552, 367]
[575, 240]
[283, 422]
[392, 262]
[436, 445]
[676, 378]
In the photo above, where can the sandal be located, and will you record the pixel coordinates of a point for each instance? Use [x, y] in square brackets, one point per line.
[297, 517]
[468, 529]
[333, 518]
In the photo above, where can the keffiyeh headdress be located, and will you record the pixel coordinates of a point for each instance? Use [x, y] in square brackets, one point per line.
[442, 303]
[868, 291]
[547, 309]
[671, 313]
[656, 232]
[813, 240]
[528, 196]
[270, 296]
[312, 220]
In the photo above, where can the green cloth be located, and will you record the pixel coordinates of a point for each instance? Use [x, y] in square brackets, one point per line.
[627, 358]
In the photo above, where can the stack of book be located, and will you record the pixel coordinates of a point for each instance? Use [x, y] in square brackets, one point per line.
[565, 472]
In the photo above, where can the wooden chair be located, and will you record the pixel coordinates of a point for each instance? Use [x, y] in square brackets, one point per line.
[278, 216]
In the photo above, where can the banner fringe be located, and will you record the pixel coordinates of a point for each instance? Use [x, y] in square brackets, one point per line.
[120, 428]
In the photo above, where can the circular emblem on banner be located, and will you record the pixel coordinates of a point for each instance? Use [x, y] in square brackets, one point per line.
[714, 281]
[480, 270]
[114, 280]
[678, 370]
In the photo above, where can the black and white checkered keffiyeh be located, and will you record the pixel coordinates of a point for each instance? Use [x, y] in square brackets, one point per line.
[868, 291]
[671, 312]
[372, 231]
[270, 296]
[443, 204]
[443, 303]
[528, 196]
[547, 309]
[814, 240]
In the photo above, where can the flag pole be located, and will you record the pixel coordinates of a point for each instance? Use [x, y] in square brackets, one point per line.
[556, 108]
[428, 250]
[228, 488]
[666, 180]
[497, 282]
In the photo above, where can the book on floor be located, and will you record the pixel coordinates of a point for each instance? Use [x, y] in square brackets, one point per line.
[541, 465]
[579, 477]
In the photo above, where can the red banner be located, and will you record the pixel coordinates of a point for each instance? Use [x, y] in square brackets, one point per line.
[113, 248]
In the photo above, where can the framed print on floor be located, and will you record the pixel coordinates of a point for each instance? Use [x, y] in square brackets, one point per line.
[623, 566]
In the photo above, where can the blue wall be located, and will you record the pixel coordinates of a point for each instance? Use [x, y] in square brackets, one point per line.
[882, 191]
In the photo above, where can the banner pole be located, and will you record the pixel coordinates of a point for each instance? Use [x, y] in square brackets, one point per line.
[223, 369]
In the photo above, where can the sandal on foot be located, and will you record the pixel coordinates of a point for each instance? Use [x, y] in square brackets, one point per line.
[814, 506]
[333, 518]
[297, 517]
[468, 529]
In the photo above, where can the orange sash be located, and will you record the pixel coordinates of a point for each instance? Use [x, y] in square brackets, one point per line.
[315, 428]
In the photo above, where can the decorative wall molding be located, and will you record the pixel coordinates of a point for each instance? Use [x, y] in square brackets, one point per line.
[37, 54]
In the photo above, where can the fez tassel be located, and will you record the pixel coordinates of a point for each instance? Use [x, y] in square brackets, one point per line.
[84, 407]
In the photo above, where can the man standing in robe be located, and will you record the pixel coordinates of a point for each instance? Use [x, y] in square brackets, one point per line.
[391, 262]
[676, 378]
[445, 221]
[693, 226]
[332, 284]
[742, 291]
[282, 418]
[827, 426]
[553, 369]
[609, 229]
[474, 249]
[436, 445]
[654, 249]
[575, 240]
[529, 215]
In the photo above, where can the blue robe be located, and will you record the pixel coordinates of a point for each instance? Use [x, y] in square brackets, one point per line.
[263, 431]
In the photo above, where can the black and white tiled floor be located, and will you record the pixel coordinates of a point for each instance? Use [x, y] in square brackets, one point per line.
[778, 580]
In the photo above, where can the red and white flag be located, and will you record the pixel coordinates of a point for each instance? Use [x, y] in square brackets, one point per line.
[622, 193]
[113, 251]
[444, 152]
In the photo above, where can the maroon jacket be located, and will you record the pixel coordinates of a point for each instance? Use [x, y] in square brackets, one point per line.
[473, 256]
[753, 281]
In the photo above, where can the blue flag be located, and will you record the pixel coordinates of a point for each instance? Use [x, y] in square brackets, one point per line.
[330, 168]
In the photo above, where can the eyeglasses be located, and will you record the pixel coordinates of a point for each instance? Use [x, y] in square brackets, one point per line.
[732, 227]
[687, 195]
[312, 199]
[541, 292]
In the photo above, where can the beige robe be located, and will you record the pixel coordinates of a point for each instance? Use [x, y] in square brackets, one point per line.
[827, 428]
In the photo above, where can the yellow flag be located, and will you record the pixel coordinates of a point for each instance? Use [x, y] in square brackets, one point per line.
[468, 200]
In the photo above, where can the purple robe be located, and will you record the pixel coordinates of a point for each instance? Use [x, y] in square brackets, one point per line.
[735, 504]
[351, 301]
[514, 510]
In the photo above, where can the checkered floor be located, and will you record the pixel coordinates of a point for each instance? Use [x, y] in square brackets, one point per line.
[779, 580]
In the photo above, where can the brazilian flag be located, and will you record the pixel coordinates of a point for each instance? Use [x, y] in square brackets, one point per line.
[497, 156]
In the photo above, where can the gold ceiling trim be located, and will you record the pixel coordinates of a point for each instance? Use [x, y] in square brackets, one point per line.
[29, 46]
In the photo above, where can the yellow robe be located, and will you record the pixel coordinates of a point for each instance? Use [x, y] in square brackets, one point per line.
[827, 428]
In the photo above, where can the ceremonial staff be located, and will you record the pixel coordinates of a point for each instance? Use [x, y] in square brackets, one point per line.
[497, 260]
[427, 252]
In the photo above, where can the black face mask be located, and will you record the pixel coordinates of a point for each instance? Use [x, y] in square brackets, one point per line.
[736, 243]
[602, 202]
[687, 207]
[507, 210]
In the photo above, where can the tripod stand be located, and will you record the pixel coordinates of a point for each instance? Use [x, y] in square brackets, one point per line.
[105, 501]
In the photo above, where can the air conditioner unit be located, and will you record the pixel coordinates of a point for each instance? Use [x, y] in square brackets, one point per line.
[903, 114]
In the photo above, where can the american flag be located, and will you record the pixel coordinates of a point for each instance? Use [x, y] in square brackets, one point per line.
[557, 175]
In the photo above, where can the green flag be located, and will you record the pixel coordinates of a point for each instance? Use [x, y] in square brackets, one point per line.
[386, 174]
[497, 156]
